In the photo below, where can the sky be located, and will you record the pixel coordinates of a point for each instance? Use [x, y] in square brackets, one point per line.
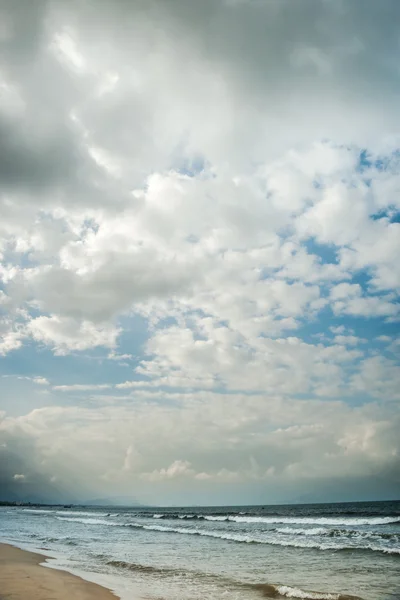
[199, 250]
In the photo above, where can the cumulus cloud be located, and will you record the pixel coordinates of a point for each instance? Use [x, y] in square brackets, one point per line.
[78, 387]
[41, 380]
[220, 218]
[38, 380]
[65, 334]
[237, 439]
[179, 468]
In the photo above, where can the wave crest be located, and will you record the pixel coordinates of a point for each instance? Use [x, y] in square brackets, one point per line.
[288, 591]
[279, 520]
[234, 537]
[88, 521]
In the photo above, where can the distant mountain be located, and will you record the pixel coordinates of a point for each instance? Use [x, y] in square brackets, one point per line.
[117, 501]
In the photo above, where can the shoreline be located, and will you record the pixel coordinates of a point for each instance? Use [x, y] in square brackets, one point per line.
[23, 575]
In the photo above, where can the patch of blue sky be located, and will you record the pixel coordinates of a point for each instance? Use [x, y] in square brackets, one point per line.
[358, 399]
[166, 322]
[83, 367]
[134, 335]
[24, 260]
[367, 161]
[385, 162]
[34, 359]
[327, 253]
[391, 213]
[362, 278]
[21, 396]
[365, 328]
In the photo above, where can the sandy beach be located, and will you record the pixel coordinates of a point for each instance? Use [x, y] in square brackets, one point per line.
[22, 577]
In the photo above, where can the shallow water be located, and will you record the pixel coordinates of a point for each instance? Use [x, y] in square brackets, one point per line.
[329, 551]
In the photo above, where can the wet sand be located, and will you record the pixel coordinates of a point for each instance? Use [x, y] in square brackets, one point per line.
[23, 578]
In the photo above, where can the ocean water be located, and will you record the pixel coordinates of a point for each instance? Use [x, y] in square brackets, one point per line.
[324, 551]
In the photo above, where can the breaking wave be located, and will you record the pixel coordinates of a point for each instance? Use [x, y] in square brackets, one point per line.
[317, 520]
[78, 513]
[312, 531]
[317, 538]
[88, 521]
[249, 539]
[38, 510]
[81, 513]
[283, 520]
[337, 533]
[286, 591]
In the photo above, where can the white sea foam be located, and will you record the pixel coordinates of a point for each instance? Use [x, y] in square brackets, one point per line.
[292, 592]
[311, 531]
[243, 518]
[269, 540]
[80, 513]
[319, 538]
[201, 532]
[38, 510]
[88, 521]
[340, 533]
[317, 520]
[299, 538]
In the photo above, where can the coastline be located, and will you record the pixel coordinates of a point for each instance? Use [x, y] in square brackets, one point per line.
[22, 575]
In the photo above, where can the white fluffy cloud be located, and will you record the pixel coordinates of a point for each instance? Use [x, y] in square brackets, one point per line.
[64, 334]
[239, 198]
[76, 387]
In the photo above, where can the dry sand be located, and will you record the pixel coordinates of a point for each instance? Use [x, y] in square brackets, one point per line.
[22, 578]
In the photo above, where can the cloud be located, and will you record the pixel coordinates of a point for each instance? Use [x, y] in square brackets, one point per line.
[179, 468]
[222, 357]
[19, 477]
[132, 384]
[219, 218]
[77, 387]
[237, 438]
[41, 381]
[380, 376]
[9, 341]
[349, 340]
[65, 334]
[119, 357]
[38, 380]
[348, 299]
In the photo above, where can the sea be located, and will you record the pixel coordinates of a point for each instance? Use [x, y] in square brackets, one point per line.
[316, 551]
